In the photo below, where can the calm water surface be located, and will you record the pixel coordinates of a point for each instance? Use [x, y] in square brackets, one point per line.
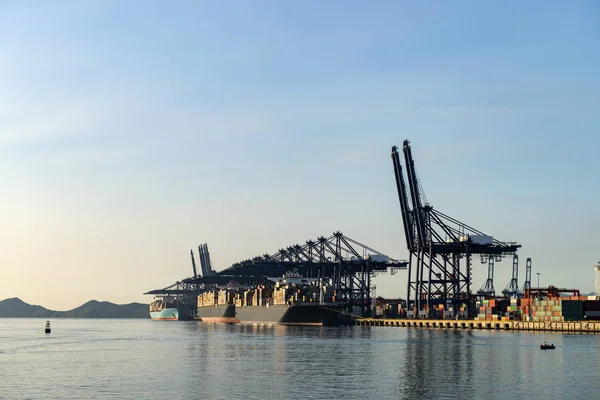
[143, 359]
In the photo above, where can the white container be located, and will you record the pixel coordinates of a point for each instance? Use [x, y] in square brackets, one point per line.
[477, 239]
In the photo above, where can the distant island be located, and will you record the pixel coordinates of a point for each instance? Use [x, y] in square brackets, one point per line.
[17, 308]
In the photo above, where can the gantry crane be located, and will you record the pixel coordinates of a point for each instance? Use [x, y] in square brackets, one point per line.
[440, 247]
[512, 289]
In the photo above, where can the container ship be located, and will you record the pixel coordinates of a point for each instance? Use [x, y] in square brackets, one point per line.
[170, 308]
[289, 300]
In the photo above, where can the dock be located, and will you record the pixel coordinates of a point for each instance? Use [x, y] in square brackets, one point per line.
[564, 327]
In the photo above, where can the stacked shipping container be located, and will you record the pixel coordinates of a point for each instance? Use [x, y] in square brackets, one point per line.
[591, 310]
[438, 312]
[207, 299]
[492, 310]
[564, 309]
[268, 295]
[555, 309]
[289, 294]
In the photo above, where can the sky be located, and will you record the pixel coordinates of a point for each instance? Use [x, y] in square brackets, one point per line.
[131, 132]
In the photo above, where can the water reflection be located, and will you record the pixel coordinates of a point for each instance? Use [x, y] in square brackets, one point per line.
[436, 364]
[191, 360]
[251, 361]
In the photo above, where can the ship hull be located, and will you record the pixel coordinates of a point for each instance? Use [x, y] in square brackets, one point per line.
[218, 314]
[284, 315]
[171, 314]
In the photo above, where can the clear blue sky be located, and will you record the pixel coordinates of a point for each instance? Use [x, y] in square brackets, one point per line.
[131, 132]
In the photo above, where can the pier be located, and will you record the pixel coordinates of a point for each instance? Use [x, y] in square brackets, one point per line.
[566, 327]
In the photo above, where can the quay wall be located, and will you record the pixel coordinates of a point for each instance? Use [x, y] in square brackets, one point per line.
[566, 327]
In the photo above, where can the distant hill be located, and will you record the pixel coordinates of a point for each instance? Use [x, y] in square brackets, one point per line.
[17, 308]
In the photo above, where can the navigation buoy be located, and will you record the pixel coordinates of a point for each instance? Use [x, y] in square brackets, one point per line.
[47, 330]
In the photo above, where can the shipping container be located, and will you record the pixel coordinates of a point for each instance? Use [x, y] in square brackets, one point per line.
[477, 239]
[591, 305]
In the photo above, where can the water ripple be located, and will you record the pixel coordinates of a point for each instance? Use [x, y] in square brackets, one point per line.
[124, 359]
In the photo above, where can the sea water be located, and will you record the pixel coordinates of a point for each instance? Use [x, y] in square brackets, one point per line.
[144, 359]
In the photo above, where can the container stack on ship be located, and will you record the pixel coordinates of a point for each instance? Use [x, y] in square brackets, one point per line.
[291, 300]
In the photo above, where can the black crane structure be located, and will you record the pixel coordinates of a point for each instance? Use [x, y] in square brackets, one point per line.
[440, 247]
[190, 287]
[488, 287]
[512, 289]
[338, 261]
[205, 262]
[527, 284]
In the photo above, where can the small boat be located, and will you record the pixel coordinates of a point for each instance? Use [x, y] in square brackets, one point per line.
[546, 346]
[47, 330]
